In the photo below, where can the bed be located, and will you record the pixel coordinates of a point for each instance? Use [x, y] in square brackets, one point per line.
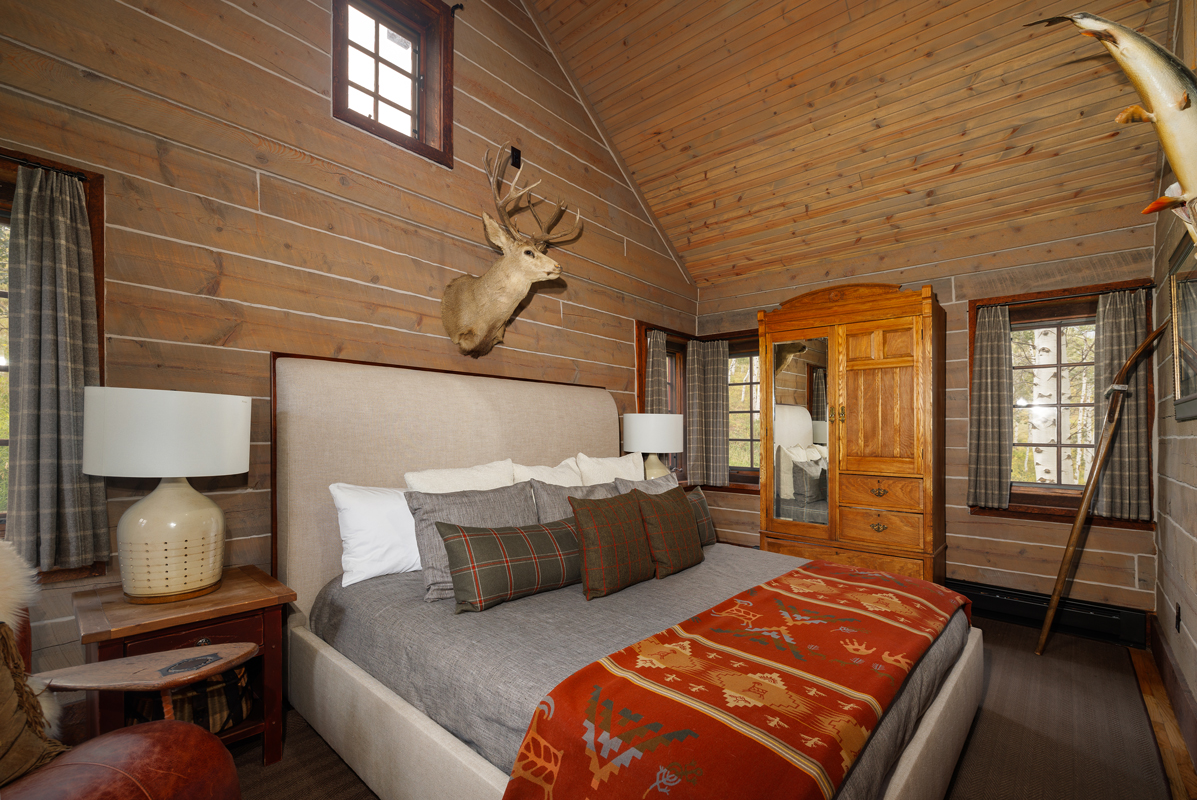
[336, 421]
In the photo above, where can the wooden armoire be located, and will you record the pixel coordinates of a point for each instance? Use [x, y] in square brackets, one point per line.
[853, 375]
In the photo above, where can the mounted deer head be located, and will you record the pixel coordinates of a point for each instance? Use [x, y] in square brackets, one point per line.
[476, 310]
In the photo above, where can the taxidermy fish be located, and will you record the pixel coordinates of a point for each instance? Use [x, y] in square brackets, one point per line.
[1168, 90]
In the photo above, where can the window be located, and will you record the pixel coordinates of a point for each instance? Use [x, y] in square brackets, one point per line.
[5, 212]
[393, 72]
[675, 396]
[744, 411]
[1058, 409]
[1053, 402]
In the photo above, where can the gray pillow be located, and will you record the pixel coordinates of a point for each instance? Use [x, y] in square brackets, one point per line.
[651, 486]
[552, 501]
[809, 489]
[507, 506]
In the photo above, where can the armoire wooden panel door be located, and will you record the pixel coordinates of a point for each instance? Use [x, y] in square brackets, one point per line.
[880, 427]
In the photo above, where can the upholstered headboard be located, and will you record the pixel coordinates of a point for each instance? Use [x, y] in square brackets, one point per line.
[336, 421]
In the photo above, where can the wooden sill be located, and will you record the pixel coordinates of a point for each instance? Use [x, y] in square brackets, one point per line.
[733, 488]
[96, 570]
[1057, 514]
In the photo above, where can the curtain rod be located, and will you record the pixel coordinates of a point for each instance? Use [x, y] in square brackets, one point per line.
[26, 162]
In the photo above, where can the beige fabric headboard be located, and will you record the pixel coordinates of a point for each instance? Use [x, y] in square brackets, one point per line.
[367, 425]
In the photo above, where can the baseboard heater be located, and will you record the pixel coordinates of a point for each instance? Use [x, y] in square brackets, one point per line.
[1125, 626]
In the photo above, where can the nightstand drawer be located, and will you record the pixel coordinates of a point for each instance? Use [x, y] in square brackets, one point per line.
[247, 629]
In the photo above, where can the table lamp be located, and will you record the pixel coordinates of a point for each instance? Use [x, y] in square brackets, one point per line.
[171, 542]
[652, 434]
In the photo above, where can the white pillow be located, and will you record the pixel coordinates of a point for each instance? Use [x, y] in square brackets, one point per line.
[494, 475]
[605, 470]
[564, 474]
[378, 532]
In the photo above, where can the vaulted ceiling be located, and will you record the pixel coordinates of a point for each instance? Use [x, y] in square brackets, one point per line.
[780, 134]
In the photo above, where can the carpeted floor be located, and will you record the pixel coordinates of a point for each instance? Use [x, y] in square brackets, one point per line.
[1068, 724]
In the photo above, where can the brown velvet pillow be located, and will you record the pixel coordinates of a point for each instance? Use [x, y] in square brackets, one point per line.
[24, 745]
[702, 515]
[615, 552]
[671, 530]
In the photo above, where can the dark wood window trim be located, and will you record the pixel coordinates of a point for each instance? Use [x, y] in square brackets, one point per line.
[431, 22]
[93, 184]
[1057, 503]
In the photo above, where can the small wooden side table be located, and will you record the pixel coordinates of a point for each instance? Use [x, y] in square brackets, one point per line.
[246, 608]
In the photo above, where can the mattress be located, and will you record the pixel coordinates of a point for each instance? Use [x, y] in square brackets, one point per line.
[480, 675]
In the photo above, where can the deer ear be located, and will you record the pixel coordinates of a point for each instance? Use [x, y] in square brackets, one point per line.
[498, 238]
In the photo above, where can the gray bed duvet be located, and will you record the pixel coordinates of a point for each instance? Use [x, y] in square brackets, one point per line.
[480, 675]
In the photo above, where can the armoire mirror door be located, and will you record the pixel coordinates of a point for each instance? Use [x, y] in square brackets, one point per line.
[796, 449]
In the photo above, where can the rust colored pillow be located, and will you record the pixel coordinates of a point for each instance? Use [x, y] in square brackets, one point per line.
[615, 552]
[24, 745]
[671, 530]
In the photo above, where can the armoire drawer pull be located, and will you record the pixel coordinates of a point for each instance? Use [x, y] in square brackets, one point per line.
[879, 492]
[877, 526]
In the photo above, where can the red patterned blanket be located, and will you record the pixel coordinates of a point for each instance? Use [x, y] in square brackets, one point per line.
[771, 693]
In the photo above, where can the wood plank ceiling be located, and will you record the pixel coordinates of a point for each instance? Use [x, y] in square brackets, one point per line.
[770, 135]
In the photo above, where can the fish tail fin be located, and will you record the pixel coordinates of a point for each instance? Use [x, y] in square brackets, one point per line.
[1163, 203]
[1049, 21]
[1135, 113]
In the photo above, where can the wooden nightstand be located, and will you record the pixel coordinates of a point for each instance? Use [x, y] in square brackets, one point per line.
[246, 608]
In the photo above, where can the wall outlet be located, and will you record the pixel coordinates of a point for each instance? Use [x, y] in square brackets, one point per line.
[517, 160]
[1178, 617]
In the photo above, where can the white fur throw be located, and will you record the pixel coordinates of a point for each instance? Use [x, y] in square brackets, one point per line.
[18, 591]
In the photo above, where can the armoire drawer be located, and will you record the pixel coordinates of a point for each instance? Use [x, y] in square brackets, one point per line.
[881, 491]
[888, 528]
[910, 567]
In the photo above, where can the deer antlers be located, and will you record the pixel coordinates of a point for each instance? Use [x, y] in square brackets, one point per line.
[517, 199]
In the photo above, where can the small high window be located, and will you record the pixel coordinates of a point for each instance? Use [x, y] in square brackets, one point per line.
[393, 72]
[744, 411]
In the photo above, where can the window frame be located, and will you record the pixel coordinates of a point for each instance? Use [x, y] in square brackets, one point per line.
[1054, 502]
[93, 186]
[742, 348]
[432, 23]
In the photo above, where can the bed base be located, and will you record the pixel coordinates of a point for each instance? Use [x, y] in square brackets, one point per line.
[401, 754]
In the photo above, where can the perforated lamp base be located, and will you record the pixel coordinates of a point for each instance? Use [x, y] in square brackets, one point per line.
[171, 545]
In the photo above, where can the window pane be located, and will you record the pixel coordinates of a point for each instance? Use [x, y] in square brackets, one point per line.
[737, 370]
[756, 397]
[1075, 463]
[756, 426]
[3, 411]
[361, 29]
[1022, 347]
[1022, 465]
[1079, 343]
[739, 398]
[1076, 425]
[3, 479]
[1035, 425]
[1076, 385]
[394, 86]
[1035, 386]
[395, 47]
[739, 454]
[394, 118]
[739, 426]
[361, 102]
[361, 69]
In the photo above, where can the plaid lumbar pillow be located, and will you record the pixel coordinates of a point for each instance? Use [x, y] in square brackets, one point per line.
[702, 516]
[493, 565]
[671, 530]
[615, 552]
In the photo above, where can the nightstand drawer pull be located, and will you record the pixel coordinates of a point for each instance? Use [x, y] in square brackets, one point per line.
[878, 492]
[204, 642]
[877, 526]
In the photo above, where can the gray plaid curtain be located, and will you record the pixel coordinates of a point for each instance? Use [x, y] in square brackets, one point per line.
[57, 516]
[655, 399]
[818, 394]
[991, 410]
[706, 413]
[1124, 490]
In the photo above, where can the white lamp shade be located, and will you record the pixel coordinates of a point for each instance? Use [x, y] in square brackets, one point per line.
[149, 433]
[653, 433]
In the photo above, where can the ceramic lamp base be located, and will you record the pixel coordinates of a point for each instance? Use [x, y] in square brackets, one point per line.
[653, 468]
[171, 545]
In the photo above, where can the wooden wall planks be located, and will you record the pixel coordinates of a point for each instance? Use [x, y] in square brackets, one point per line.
[242, 218]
